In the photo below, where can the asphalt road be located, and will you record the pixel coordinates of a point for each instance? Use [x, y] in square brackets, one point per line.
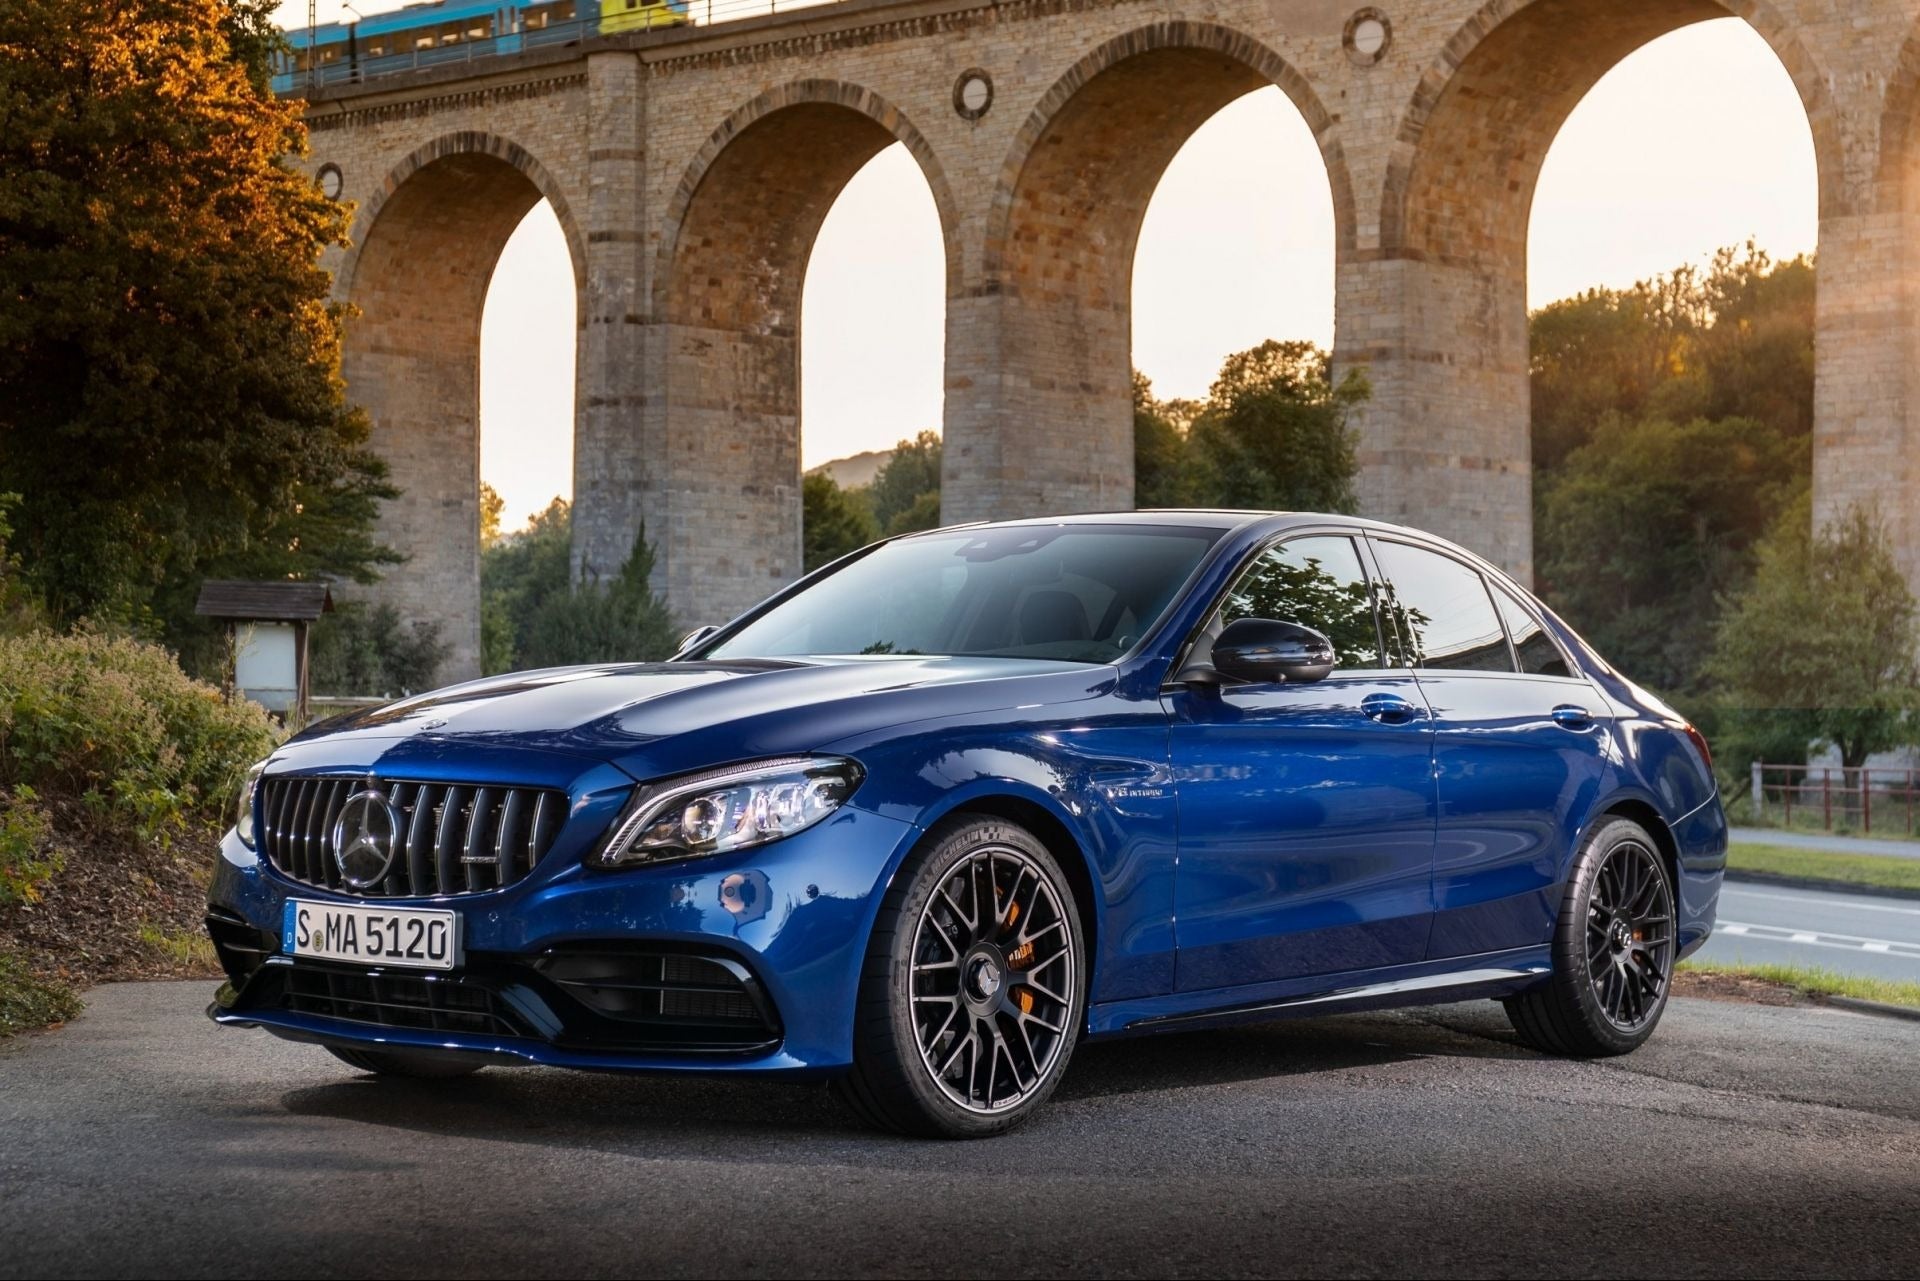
[1742, 1141]
[1851, 933]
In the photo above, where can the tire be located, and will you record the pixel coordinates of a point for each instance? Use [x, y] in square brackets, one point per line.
[965, 1018]
[413, 1064]
[1613, 951]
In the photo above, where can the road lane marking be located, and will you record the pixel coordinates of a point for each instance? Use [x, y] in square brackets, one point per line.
[1809, 938]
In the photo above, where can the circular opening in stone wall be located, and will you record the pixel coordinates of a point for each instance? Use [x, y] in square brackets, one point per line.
[1368, 36]
[972, 94]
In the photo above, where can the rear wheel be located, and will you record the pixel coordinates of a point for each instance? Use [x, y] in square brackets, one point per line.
[407, 1063]
[971, 997]
[1613, 951]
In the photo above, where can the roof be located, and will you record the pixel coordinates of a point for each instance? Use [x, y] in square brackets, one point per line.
[278, 602]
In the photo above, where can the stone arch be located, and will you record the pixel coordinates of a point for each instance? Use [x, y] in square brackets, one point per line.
[1057, 265]
[736, 238]
[1445, 441]
[417, 275]
[1190, 70]
[1468, 151]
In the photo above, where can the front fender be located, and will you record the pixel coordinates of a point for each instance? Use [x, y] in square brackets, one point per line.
[1103, 777]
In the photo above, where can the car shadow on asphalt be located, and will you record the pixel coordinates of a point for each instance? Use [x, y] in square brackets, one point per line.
[689, 1114]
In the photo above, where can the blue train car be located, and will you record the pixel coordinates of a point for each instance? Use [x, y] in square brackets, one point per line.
[419, 35]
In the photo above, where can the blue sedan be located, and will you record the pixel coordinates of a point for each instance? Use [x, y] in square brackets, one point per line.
[926, 820]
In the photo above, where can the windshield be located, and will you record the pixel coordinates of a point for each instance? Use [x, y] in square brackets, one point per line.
[1080, 593]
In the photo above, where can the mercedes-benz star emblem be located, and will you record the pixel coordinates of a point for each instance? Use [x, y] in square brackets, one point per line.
[365, 837]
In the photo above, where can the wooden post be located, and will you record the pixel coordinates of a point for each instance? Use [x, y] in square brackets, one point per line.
[1826, 797]
[1866, 800]
[1759, 790]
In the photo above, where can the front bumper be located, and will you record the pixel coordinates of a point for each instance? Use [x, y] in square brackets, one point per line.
[789, 921]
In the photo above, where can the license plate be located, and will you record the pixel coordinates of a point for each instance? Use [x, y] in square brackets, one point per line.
[420, 938]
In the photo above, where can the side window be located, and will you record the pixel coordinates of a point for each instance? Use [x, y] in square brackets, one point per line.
[1317, 582]
[1538, 655]
[1442, 607]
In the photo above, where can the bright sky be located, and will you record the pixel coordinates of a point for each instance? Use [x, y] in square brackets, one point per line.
[1696, 141]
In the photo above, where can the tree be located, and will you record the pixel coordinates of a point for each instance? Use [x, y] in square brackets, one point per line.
[1643, 531]
[491, 507]
[363, 649]
[618, 622]
[1732, 341]
[834, 521]
[1820, 646]
[912, 472]
[170, 399]
[1274, 433]
[1159, 450]
[521, 575]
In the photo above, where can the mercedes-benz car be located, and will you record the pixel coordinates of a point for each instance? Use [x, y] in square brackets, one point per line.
[930, 817]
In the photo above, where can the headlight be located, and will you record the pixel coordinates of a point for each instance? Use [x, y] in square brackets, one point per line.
[243, 809]
[728, 809]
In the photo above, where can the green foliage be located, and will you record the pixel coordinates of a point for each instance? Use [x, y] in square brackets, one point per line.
[1734, 341]
[1159, 450]
[492, 506]
[1821, 644]
[362, 649]
[1272, 435]
[115, 726]
[1645, 527]
[622, 621]
[834, 521]
[522, 575]
[20, 610]
[170, 399]
[898, 495]
[27, 859]
[29, 1002]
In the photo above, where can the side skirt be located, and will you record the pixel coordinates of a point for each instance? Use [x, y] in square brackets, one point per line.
[1457, 978]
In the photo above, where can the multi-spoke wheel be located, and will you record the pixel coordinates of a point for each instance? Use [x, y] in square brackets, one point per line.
[1613, 950]
[972, 992]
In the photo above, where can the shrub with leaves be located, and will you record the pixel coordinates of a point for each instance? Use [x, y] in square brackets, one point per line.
[114, 726]
[27, 860]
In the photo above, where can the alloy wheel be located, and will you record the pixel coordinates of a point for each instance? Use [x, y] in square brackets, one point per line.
[993, 980]
[1629, 935]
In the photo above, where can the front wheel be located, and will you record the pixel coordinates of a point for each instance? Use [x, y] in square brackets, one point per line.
[972, 992]
[1613, 951]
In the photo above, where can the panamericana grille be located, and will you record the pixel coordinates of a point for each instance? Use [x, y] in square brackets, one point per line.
[455, 838]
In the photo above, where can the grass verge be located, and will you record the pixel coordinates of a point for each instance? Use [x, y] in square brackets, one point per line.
[28, 1002]
[1810, 980]
[1869, 871]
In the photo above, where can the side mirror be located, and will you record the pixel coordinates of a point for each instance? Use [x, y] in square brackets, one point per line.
[693, 638]
[1265, 650]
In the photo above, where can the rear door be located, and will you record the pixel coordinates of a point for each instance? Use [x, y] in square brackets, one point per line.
[1306, 810]
[1519, 744]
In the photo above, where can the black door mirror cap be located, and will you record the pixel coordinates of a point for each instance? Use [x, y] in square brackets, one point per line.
[1271, 651]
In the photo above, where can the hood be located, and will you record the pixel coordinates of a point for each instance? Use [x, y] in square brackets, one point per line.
[651, 719]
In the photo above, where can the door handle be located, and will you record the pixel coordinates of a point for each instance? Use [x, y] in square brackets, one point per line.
[1389, 709]
[1572, 716]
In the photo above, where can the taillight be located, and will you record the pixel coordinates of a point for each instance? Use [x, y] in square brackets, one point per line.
[1700, 741]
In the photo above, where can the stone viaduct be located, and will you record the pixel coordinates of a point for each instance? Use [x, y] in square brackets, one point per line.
[691, 168]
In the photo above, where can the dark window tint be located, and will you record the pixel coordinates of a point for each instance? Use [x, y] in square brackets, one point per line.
[1082, 593]
[1317, 582]
[1443, 611]
[1539, 656]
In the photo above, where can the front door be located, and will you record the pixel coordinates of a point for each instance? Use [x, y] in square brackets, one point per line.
[1306, 810]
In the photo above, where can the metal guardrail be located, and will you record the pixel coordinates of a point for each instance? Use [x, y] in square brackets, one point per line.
[699, 13]
[1825, 796]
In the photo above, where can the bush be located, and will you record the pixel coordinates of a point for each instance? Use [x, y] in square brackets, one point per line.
[622, 622]
[28, 1002]
[115, 726]
[369, 649]
[26, 860]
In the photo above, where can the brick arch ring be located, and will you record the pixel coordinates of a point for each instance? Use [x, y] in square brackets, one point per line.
[471, 142]
[1808, 77]
[839, 93]
[1899, 130]
[1171, 34]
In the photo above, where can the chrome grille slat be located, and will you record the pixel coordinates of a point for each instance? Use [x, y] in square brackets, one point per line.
[456, 838]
